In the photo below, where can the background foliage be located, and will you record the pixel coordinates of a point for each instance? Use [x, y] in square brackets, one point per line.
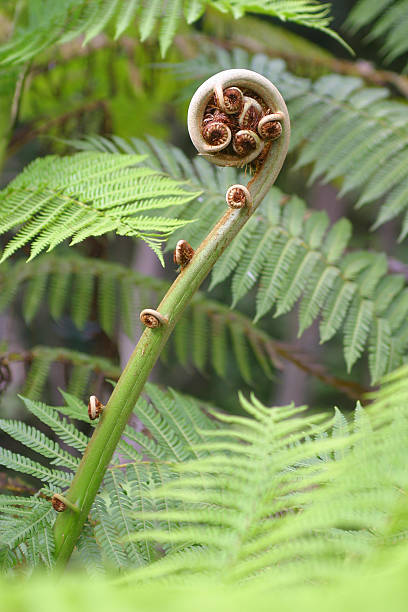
[308, 304]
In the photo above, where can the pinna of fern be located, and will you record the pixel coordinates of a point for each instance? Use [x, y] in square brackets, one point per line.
[88, 194]
[143, 462]
[389, 24]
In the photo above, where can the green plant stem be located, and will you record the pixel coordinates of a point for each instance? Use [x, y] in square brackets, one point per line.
[101, 447]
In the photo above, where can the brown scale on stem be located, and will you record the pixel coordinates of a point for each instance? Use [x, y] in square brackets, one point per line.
[269, 127]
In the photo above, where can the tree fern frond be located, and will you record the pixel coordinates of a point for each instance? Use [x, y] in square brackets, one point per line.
[86, 275]
[270, 509]
[67, 20]
[88, 194]
[390, 24]
[331, 285]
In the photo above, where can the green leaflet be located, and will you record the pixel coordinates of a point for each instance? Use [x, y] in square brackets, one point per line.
[389, 19]
[87, 194]
[68, 19]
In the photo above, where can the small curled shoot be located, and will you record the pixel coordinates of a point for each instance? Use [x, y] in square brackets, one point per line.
[152, 318]
[269, 127]
[250, 114]
[183, 253]
[238, 196]
[95, 408]
[247, 143]
[61, 503]
[217, 135]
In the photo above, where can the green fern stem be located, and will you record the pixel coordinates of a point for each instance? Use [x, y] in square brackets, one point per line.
[107, 434]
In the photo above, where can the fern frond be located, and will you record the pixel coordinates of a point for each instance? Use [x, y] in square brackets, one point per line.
[88, 194]
[67, 20]
[342, 287]
[388, 20]
[57, 274]
[286, 504]
[202, 349]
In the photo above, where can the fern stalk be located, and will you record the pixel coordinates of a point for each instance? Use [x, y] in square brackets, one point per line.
[101, 447]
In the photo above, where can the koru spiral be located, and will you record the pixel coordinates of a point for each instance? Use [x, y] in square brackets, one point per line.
[238, 118]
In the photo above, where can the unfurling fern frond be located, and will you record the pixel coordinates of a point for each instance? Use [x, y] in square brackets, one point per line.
[390, 17]
[278, 500]
[338, 125]
[63, 21]
[88, 194]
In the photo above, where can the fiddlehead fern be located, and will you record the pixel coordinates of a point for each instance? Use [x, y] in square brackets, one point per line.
[252, 116]
[217, 101]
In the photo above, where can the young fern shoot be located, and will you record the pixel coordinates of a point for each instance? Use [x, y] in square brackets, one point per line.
[232, 121]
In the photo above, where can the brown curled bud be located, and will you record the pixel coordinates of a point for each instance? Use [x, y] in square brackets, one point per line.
[233, 100]
[57, 503]
[95, 408]
[246, 141]
[152, 318]
[238, 196]
[61, 503]
[269, 127]
[183, 253]
[216, 134]
[250, 114]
